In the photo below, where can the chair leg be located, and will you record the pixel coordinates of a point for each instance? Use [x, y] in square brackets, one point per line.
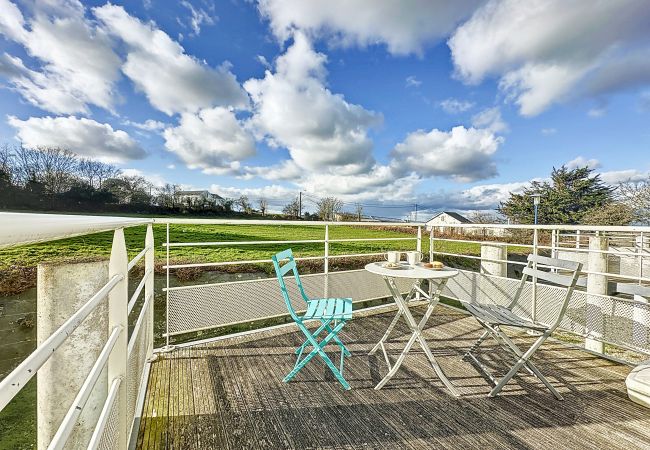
[523, 361]
[476, 345]
[318, 350]
[324, 326]
[529, 364]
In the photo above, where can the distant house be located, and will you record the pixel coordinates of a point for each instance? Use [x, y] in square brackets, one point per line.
[445, 218]
[194, 197]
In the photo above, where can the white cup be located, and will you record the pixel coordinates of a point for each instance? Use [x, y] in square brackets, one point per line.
[393, 257]
[413, 258]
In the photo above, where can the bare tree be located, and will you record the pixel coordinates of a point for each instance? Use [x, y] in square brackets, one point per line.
[96, 172]
[359, 211]
[53, 167]
[244, 205]
[166, 195]
[636, 194]
[328, 207]
[293, 208]
[484, 217]
[264, 204]
[7, 162]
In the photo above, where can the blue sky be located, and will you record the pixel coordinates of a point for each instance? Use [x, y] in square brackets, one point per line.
[450, 105]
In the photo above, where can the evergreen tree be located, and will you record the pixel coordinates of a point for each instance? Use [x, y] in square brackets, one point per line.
[564, 200]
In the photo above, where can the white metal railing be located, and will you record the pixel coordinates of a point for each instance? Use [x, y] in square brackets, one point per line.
[124, 358]
[616, 308]
[115, 359]
[327, 241]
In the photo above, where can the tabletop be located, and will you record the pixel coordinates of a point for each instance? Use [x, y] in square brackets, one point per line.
[418, 272]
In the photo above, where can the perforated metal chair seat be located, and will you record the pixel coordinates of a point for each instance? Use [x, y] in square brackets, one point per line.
[329, 308]
[500, 315]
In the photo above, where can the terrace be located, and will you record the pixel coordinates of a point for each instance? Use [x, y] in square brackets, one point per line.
[195, 380]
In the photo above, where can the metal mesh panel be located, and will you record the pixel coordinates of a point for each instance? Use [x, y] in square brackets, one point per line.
[108, 440]
[206, 306]
[137, 359]
[611, 319]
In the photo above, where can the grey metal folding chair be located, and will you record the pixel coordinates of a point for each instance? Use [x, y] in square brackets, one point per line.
[493, 317]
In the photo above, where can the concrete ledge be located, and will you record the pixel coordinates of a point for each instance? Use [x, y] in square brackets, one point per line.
[638, 384]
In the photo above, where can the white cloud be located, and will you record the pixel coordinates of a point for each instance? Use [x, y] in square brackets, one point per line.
[211, 140]
[412, 81]
[147, 125]
[620, 176]
[293, 108]
[77, 65]
[581, 161]
[490, 119]
[462, 154]
[265, 62]
[173, 81]
[82, 136]
[154, 178]
[546, 51]
[455, 106]
[549, 131]
[403, 26]
[198, 17]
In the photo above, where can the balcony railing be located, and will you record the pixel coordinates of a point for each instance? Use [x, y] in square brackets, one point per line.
[611, 307]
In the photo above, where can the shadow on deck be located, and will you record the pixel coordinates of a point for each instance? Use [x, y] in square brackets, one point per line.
[229, 395]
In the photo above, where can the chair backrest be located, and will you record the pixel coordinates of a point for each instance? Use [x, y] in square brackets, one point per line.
[281, 271]
[568, 280]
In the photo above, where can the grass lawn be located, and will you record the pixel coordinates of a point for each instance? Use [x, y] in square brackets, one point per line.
[98, 245]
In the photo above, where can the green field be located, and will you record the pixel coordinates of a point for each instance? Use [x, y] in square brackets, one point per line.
[98, 245]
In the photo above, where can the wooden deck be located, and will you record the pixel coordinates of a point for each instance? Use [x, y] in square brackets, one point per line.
[229, 395]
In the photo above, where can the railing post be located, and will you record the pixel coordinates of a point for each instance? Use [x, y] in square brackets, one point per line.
[535, 251]
[326, 264]
[167, 347]
[149, 261]
[596, 286]
[418, 246]
[431, 245]
[118, 316]
[493, 260]
[61, 290]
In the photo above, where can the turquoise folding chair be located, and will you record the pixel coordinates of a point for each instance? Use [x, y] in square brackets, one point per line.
[328, 311]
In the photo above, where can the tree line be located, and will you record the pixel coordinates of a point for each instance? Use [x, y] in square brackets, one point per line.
[55, 179]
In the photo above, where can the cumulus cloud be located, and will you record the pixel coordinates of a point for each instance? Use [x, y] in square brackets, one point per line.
[76, 65]
[581, 161]
[154, 178]
[490, 119]
[293, 108]
[622, 176]
[455, 106]
[462, 154]
[212, 140]
[82, 136]
[546, 51]
[173, 81]
[404, 27]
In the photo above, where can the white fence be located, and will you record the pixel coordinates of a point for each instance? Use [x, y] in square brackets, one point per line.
[611, 307]
[122, 359]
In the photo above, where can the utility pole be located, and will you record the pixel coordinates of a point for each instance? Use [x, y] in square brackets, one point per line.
[299, 204]
[416, 212]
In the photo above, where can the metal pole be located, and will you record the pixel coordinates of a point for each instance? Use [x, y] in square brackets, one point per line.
[149, 263]
[326, 268]
[534, 301]
[167, 296]
[299, 204]
[535, 213]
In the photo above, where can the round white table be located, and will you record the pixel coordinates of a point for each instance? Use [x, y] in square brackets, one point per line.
[437, 278]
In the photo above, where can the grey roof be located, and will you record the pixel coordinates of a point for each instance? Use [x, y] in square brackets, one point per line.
[455, 215]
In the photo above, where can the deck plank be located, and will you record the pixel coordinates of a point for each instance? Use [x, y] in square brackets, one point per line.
[229, 394]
